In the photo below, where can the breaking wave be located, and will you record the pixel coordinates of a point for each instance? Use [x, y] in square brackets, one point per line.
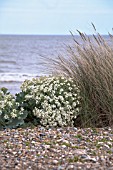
[17, 77]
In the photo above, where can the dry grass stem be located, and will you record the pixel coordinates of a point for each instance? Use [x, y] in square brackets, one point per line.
[90, 64]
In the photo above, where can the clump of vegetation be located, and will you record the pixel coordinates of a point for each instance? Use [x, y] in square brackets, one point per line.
[80, 93]
[11, 114]
[50, 101]
[47, 101]
[90, 65]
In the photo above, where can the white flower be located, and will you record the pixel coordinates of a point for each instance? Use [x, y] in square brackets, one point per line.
[68, 84]
[41, 87]
[47, 97]
[67, 102]
[10, 104]
[13, 115]
[70, 88]
[14, 110]
[77, 109]
[68, 107]
[50, 100]
[75, 94]
[57, 103]
[54, 123]
[74, 104]
[53, 115]
[17, 104]
[62, 78]
[61, 98]
[77, 102]
[50, 89]
[6, 117]
[70, 94]
[65, 81]
[22, 109]
[45, 89]
[28, 96]
[20, 113]
[61, 109]
[53, 92]
[53, 106]
[61, 90]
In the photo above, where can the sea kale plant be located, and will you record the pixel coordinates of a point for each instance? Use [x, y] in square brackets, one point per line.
[11, 114]
[53, 101]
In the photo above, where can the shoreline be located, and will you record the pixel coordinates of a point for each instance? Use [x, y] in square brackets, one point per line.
[13, 87]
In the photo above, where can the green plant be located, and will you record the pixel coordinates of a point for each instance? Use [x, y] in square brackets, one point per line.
[51, 101]
[90, 65]
[74, 159]
[11, 114]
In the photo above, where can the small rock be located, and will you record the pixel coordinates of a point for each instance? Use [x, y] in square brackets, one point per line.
[42, 135]
[66, 141]
[14, 153]
[47, 146]
[16, 136]
[61, 167]
[70, 167]
[81, 152]
[84, 156]
[106, 146]
[64, 146]
[88, 158]
[55, 161]
[75, 129]
[59, 140]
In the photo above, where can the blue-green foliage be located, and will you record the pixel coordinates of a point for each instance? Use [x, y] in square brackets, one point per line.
[12, 114]
[53, 101]
[48, 101]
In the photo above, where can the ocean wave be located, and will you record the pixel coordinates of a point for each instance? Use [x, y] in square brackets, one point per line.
[7, 62]
[17, 77]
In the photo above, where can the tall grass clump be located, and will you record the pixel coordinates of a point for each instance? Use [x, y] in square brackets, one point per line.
[90, 65]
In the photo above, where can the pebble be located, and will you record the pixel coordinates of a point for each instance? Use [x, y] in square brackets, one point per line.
[66, 141]
[64, 146]
[55, 161]
[53, 148]
[84, 156]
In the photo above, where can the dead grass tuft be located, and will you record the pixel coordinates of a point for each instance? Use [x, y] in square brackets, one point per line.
[90, 64]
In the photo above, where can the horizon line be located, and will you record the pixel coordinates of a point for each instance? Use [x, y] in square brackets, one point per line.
[46, 34]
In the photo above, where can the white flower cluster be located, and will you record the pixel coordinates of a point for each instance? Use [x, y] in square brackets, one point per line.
[57, 100]
[9, 108]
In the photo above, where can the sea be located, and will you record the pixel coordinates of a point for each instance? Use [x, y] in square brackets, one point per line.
[23, 57]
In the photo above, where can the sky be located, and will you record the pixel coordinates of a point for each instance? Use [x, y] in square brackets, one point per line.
[55, 16]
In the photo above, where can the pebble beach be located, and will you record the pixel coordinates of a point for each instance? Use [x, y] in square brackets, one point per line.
[66, 148]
